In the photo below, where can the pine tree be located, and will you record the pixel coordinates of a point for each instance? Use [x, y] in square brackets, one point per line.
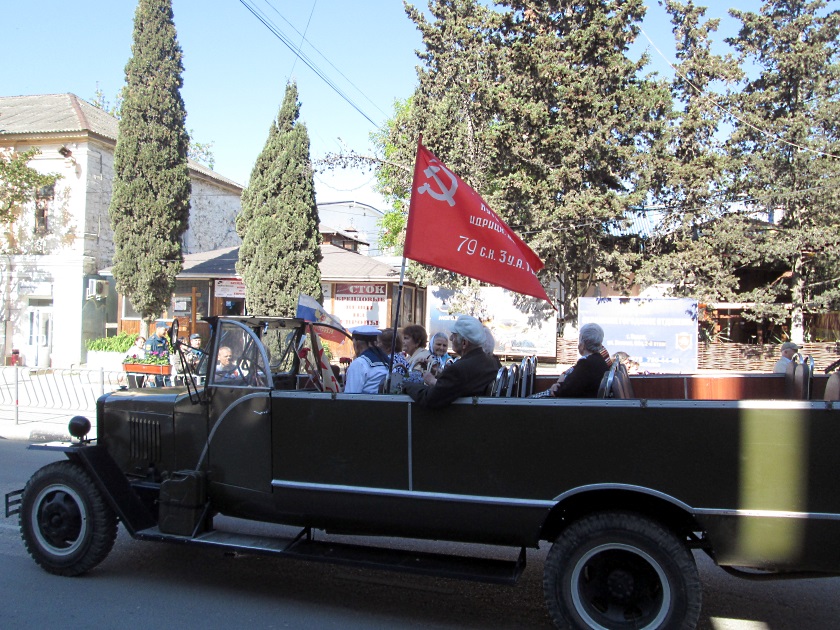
[150, 204]
[451, 107]
[280, 251]
[689, 251]
[576, 126]
[541, 110]
[787, 143]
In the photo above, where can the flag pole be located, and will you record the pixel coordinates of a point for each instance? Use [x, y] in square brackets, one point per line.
[394, 328]
[402, 278]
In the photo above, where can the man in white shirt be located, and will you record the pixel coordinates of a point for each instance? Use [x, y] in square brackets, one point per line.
[370, 366]
[788, 350]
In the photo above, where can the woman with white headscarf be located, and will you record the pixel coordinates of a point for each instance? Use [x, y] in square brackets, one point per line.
[439, 347]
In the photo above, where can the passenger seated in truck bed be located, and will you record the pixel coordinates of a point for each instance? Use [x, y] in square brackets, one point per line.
[468, 376]
[370, 366]
[583, 379]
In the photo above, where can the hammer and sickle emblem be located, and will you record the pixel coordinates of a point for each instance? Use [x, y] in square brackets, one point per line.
[445, 194]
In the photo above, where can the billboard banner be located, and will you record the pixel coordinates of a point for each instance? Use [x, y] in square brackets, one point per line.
[658, 334]
[513, 333]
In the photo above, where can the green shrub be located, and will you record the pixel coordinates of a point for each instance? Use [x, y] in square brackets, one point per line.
[120, 343]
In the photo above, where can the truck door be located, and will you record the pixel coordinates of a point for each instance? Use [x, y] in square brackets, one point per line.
[238, 392]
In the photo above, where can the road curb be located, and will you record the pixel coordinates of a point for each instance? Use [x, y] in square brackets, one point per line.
[33, 430]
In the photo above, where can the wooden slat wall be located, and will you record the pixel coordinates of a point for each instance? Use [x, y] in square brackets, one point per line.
[708, 387]
[739, 357]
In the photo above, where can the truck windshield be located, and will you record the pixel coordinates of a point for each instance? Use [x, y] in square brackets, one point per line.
[241, 360]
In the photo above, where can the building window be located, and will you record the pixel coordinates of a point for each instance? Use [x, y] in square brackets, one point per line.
[128, 311]
[43, 200]
[182, 300]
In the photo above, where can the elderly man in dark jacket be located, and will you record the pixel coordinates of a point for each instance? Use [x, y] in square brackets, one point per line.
[468, 376]
[583, 380]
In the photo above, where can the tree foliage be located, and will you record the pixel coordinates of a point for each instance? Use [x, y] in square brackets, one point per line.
[540, 109]
[201, 152]
[539, 106]
[19, 184]
[786, 142]
[691, 186]
[578, 126]
[280, 251]
[150, 204]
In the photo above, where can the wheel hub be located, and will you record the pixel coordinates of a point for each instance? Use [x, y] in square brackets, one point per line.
[60, 520]
[621, 585]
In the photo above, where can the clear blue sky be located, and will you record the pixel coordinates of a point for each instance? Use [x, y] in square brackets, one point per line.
[235, 69]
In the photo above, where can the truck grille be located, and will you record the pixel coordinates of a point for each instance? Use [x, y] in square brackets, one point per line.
[145, 439]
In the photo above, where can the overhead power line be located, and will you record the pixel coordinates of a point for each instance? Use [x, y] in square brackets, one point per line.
[279, 34]
[713, 102]
[324, 57]
[302, 35]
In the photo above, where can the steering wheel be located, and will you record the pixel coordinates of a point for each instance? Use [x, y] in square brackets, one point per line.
[173, 333]
[250, 373]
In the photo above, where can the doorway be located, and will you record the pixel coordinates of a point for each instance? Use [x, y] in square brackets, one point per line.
[38, 324]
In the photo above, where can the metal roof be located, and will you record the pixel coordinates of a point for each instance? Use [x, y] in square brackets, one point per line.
[338, 265]
[42, 116]
[53, 114]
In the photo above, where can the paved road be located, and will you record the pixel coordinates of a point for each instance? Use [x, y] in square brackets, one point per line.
[142, 585]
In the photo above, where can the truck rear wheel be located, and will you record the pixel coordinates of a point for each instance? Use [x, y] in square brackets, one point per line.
[620, 570]
[65, 523]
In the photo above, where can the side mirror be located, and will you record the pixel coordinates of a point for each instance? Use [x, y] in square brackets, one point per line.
[173, 333]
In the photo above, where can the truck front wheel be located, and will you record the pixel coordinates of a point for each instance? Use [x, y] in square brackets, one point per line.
[65, 523]
[620, 570]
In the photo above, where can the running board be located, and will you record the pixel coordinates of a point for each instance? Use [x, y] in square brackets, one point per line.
[303, 547]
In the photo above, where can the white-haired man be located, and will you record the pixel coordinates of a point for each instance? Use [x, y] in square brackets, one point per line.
[788, 349]
[583, 380]
[468, 376]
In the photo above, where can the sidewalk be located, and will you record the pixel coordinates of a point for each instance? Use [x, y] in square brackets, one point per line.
[40, 426]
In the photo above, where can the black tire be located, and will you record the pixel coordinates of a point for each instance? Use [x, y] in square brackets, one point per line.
[620, 570]
[65, 523]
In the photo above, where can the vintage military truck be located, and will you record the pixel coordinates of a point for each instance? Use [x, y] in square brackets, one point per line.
[623, 488]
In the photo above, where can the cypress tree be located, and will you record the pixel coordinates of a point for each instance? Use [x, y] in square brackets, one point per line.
[278, 224]
[150, 204]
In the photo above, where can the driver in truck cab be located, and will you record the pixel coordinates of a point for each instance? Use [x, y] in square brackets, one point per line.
[226, 369]
[468, 376]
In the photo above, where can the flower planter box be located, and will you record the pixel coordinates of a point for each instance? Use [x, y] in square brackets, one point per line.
[147, 368]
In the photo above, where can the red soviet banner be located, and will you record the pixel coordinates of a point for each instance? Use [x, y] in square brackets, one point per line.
[450, 226]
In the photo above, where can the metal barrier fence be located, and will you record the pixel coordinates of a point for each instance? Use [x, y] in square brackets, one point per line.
[48, 390]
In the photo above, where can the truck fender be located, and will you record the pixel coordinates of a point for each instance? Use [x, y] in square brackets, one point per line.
[583, 500]
[113, 485]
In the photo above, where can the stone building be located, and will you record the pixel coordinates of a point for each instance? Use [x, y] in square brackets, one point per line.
[53, 296]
